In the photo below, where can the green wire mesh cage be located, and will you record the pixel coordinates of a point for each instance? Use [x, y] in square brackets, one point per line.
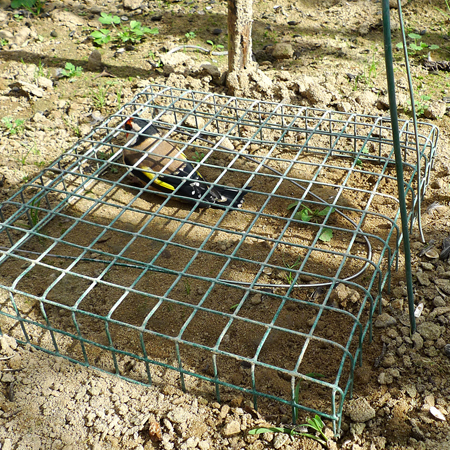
[273, 299]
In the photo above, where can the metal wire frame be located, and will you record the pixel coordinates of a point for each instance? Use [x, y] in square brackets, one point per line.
[280, 155]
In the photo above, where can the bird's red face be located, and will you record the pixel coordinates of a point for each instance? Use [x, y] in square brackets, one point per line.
[128, 126]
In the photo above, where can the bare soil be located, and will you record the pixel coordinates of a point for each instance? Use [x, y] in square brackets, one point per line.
[337, 63]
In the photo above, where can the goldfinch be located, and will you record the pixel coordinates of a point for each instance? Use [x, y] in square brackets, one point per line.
[169, 169]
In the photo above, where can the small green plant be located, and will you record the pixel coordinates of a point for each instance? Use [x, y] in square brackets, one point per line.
[359, 161]
[109, 19]
[73, 125]
[39, 72]
[132, 33]
[189, 36]
[71, 71]
[135, 32]
[18, 17]
[156, 62]
[272, 35]
[417, 45]
[420, 105]
[101, 36]
[34, 212]
[13, 126]
[369, 73]
[315, 216]
[27, 150]
[316, 424]
[3, 42]
[99, 96]
[33, 6]
[198, 156]
[104, 156]
[292, 267]
[215, 47]
[187, 287]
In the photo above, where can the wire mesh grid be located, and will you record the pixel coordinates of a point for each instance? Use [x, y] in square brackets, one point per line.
[273, 299]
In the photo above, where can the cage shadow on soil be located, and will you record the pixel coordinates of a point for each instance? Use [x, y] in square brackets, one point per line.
[257, 299]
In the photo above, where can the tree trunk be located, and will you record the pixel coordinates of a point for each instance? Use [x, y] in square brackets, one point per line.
[240, 63]
[239, 35]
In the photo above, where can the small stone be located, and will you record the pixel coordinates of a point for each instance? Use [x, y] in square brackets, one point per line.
[94, 391]
[384, 320]
[178, 415]
[423, 279]
[28, 88]
[191, 442]
[400, 291]
[401, 350]
[427, 266]
[224, 411]
[217, 31]
[397, 304]
[7, 35]
[447, 350]
[418, 341]
[231, 428]
[212, 70]
[367, 98]
[428, 401]
[279, 440]
[440, 311]
[95, 61]
[356, 429]
[385, 378]
[15, 362]
[292, 23]
[45, 82]
[443, 284]
[132, 4]
[7, 444]
[364, 29]
[411, 390]
[360, 410]
[7, 377]
[436, 110]
[439, 302]
[282, 51]
[256, 299]
[394, 372]
[53, 33]
[389, 361]
[429, 331]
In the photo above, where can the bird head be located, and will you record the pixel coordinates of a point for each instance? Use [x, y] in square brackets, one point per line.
[141, 126]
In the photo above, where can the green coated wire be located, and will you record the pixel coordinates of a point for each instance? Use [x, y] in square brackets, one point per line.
[398, 158]
[414, 118]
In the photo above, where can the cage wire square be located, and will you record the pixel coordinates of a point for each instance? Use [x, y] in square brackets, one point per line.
[273, 300]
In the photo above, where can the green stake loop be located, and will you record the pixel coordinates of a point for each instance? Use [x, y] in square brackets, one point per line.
[398, 158]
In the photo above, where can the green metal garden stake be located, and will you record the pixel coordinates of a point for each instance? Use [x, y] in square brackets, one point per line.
[398, 158]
